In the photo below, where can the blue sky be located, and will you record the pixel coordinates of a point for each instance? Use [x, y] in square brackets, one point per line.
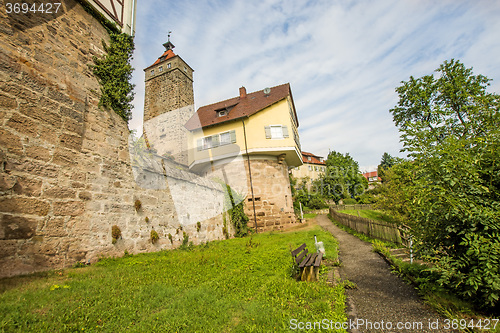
[343, 59]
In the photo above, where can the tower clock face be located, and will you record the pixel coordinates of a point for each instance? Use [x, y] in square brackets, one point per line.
[114, 8]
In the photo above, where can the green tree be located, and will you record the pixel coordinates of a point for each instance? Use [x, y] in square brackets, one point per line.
[449, 192]
[342, 178]
[386, 162]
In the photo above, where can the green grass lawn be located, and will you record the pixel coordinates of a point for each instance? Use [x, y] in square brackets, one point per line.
[369, 214]
[238, 285]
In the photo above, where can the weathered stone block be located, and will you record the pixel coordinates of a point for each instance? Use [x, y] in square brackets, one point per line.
[38, 153]
[71, 208]
[22, 124]
[73, 126]
[59, 192]
[10, 141]
[72, 113]
[16, 227]
[71, 141]
[42, 115]
[7, 102]
[64, 156]
[32, 166]
[55, 227]
[48, 134]
[24, 205]
[7, 181]
[85, 195]
[28, 186]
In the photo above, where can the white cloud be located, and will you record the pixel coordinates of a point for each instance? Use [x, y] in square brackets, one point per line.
[343, 58]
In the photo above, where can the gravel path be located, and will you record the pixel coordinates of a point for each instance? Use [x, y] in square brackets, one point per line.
[381, 299]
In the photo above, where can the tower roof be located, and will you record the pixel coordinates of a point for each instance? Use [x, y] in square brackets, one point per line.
[168, 54]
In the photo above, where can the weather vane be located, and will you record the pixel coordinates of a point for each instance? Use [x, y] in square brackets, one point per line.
[169, 32]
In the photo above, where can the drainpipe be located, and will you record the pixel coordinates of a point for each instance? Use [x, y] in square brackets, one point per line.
[249, 174]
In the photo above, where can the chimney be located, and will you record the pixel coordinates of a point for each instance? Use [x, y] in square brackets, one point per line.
[243, 92]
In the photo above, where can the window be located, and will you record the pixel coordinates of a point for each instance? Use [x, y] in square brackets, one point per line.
[222, 113]
[216, 140]
[225, 138]
[160, 69]
[206, 142]
[310, 168]
[315, 168]
[169, 65]
[152, 72]
[276, 132]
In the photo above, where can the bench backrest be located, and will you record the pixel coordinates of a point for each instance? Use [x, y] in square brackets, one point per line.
[305, 259]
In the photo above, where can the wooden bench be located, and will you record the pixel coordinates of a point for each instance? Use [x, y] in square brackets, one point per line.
[308, 263]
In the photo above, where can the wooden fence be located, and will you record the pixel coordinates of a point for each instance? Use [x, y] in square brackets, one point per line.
[351, 207]
[375, 229]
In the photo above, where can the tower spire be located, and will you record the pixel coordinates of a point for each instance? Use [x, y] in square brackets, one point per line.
[168, 45]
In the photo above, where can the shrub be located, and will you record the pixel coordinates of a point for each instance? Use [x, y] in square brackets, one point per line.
[170, 238]
[186, 245]
[146, 219]
[137, 204]
[236, 213]
[350, 201]
[154, 236]
[198, 226]
[116, 233]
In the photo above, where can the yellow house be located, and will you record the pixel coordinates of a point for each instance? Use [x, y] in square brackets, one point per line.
[312, 168]
[251, 140]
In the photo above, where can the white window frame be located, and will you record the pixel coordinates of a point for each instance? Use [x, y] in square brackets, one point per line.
[280, 134]
[206, 142]
[226, 135]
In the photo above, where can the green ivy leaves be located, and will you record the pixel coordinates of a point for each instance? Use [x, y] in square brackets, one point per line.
[114, 73]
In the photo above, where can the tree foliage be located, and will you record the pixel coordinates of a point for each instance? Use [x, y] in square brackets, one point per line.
[386, 162]
[449, 192]
[342, 178]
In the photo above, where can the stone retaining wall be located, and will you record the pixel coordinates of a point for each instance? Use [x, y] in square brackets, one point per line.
[65, 170]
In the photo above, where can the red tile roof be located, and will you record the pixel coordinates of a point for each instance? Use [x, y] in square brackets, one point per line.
[314, 159]
[165, 56]
[371, 174]
[242, 106]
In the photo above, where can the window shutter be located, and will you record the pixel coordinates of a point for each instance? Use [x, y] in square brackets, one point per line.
[233, 136]
[199, 144]
[285, 131]
[268, 131]
[215, 140]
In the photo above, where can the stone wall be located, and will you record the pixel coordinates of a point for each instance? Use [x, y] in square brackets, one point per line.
[272, 193]
[65, 170]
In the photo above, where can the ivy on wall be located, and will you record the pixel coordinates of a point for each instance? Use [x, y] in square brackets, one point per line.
[237, 212]
[114, 72]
